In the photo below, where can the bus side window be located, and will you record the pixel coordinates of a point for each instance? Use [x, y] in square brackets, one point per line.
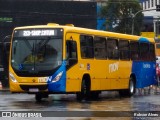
[134, 50]
[144, 51]
[112, 48]
[100, 48]
[71, 53]
[86, 44]
[152, 52]
[124, 50]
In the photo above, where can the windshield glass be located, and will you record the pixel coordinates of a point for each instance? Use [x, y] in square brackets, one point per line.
[36, 55]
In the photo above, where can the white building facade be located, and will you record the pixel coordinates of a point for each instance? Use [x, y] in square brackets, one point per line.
[149, 7]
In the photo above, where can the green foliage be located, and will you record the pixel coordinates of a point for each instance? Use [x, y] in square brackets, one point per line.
[119, 16]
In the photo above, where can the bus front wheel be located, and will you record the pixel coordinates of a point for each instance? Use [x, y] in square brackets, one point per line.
[85, 90]
[38, 97]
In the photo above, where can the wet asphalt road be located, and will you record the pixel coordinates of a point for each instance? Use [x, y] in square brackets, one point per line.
[108, 101]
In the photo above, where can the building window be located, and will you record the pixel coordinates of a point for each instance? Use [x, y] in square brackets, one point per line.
[148, 3]
[155, 2]
[145, 5]
[151, 3]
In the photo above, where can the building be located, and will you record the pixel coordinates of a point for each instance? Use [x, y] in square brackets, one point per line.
[14, 13]
[152, 17]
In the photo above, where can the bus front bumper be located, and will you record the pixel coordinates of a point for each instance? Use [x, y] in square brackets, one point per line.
[28, 87]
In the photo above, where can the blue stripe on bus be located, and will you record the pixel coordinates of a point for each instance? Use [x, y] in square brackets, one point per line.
[60, 85]
[145, 73]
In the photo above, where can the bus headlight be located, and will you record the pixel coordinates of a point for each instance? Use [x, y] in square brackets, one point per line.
[58, 77]
[12, 77]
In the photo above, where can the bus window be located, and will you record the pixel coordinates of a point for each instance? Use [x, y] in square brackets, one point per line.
[71, 50]
[144, 50]
[134, 50]
[152, 52]
[99, 48]
[112, 48]
[71, 55]
[124, 49]
[86, 44]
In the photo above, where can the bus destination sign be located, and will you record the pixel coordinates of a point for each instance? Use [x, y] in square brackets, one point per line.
[37, 32]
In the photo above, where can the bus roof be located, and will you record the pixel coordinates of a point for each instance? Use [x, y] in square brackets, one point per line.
[71, 28]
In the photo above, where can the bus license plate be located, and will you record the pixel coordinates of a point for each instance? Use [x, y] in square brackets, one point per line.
[33, 90]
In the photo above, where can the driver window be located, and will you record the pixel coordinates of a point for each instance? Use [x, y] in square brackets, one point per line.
[71, 50]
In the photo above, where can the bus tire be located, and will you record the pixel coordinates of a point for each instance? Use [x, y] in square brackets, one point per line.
[85, 90]
[131, 89]
[38, 97]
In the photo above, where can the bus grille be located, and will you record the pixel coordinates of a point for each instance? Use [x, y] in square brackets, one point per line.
[27, 87]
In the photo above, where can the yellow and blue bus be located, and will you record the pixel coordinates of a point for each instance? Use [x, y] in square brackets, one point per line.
[52, 58]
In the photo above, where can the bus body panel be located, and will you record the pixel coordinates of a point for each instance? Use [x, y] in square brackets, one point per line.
[145, 76]
[60, 85]
[26, 83]
[145, 71]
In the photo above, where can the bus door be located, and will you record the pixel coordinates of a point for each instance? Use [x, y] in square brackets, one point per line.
[72, 70]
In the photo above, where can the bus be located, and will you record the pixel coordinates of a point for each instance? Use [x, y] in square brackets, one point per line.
[4, 60]
[157, 49]
[60, 59]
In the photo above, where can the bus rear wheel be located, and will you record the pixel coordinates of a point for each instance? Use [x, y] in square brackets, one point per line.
[131, 89]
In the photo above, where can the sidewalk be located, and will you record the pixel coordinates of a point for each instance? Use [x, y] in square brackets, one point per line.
[148, 90]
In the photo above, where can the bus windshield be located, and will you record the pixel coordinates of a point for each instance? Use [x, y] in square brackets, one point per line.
[36, 55]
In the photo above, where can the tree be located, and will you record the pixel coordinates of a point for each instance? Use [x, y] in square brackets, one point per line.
[119, 16]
